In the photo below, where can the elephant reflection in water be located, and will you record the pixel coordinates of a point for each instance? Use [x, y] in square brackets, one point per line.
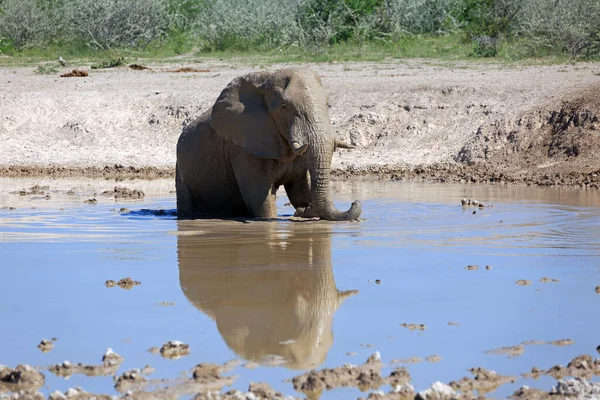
[269, 286]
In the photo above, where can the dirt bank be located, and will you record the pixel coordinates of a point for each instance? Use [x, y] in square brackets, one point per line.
[413, 119]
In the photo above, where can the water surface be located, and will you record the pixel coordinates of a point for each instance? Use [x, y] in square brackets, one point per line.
[291, 296]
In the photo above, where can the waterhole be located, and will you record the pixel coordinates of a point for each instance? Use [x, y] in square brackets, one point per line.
[284, 296]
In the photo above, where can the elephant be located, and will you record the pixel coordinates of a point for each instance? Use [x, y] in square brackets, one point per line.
[266, 129]
[269, 286]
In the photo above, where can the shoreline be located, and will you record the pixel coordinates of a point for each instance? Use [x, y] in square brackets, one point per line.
[438, 173]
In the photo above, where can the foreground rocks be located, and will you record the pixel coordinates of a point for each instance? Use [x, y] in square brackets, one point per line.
[111, 362]
[207, 381]
[22, 378]
[364, 377]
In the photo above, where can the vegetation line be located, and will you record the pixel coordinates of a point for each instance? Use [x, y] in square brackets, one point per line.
[316, 30]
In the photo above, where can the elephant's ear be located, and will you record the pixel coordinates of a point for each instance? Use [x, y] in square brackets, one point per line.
[343, 295]
[240, 116]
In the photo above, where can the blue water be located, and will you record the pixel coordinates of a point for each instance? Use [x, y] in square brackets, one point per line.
[240, 288]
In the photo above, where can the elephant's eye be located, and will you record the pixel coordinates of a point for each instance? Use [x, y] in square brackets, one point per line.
[283, 107]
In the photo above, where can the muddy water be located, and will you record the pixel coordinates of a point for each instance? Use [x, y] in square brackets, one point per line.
[286, 296]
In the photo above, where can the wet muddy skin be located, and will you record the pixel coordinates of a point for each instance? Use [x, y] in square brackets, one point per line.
[284, 297]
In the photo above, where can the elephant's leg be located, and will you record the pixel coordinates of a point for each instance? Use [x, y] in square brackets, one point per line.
[255, 185]
[185, 200]
[298, 191]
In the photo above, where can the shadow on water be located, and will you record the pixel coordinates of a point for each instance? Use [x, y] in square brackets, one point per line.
[145, 212]
[268, 286]
[172, 214]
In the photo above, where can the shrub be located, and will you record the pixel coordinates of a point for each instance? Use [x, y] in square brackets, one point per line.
[487, 22]
[108, 24]
[421, 16]
[28, 23]
[566, 26]
[244, 24]
[344, 20]
[536, 27]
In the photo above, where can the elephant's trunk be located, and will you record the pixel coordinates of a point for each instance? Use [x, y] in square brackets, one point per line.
[319, 160]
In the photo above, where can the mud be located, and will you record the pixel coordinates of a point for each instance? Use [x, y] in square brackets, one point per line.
[523, 282]
[130, 380]
[45, 345]
[138, 67]
[76, 73]
[582, 366]
[78, 394]
[559, 342]
[120, 192]
[174, 349]
[518, 350]
[111, 362]
[205, 383]
[471, 202]
[259, 391]
[33, 190]
[264, 391]
[443, 173]
[546, 280]
[190, 69]
[510, 351]
[414, 327]
[364, 377]
[105, 172]
[562, 342]
[483, 381]
[551, 176]
[207, 380]
[22, 378]
[125, 283]
[472, 267]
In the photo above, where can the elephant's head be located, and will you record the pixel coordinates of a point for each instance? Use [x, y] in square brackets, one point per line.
[269, 286]
[283, 115]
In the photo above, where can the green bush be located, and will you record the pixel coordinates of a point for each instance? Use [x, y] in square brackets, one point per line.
[572, 27]
[109, 24]
[28, 23]
[487, 23]
[530, 27]
[343, 20]
[421, 16]
[244, 24]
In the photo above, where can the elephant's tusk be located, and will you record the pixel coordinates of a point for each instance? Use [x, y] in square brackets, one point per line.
[298, 148]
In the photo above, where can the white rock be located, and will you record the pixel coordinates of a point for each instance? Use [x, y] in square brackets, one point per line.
[437, 391]
[56, 395]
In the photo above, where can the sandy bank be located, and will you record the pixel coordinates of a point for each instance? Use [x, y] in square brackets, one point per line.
[409, 120]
